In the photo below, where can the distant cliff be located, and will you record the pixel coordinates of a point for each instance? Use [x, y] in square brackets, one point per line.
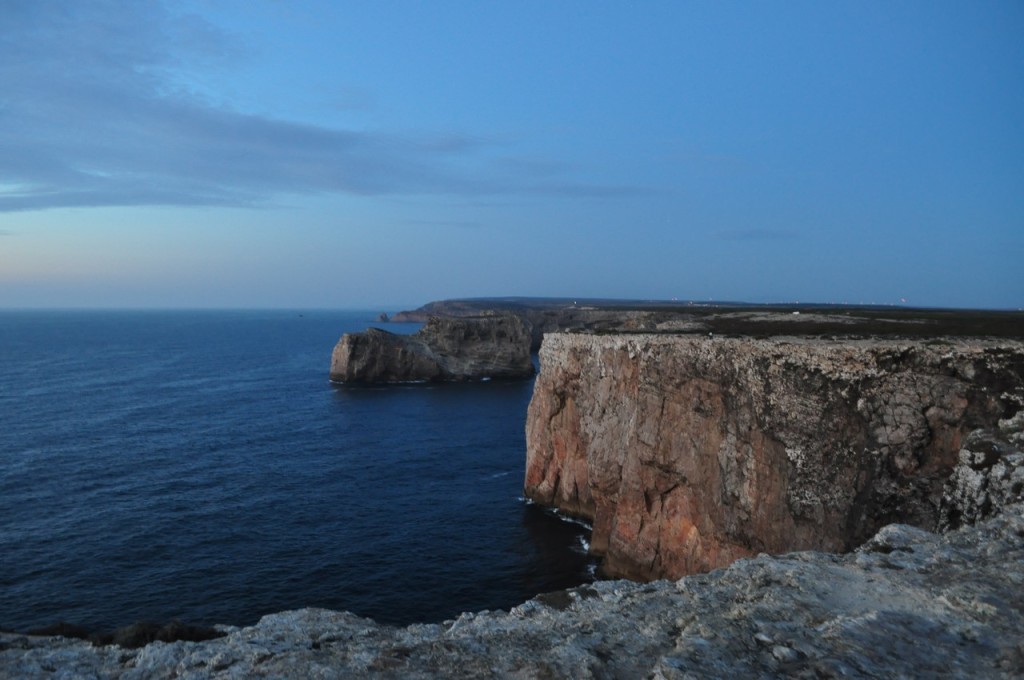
[550, 315]
[541, 316]
[445, 349]
[688, 452]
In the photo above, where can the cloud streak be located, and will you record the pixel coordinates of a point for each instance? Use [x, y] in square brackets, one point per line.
[460, 224]
[93, 113]
[755, 235]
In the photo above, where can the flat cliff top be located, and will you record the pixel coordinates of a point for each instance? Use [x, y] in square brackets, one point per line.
[837, 356]
[791, 342]
[735, 318]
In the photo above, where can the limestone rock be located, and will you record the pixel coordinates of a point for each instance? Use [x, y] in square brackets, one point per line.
[445, 349]
[909, 603]
[689, 452]
[989, 476]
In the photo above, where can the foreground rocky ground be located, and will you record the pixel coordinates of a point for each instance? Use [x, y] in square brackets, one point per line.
[906, 604]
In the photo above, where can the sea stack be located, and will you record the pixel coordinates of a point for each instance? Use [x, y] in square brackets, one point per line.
[445, 349]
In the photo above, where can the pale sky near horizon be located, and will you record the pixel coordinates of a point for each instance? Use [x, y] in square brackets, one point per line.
[263, 153]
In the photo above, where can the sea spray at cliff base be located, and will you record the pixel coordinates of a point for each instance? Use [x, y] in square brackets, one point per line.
[200, 465]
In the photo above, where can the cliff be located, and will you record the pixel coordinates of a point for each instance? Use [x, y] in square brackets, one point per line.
[689, 452]
[445, 349]
[550, 315]
[907, 604]
[545, 316]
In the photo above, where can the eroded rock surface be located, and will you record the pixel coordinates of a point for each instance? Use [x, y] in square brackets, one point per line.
[989, 475]
[445, 349]
[688, 452]
[907, 604]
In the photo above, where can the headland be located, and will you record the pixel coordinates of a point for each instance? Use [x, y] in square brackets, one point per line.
[852, 478]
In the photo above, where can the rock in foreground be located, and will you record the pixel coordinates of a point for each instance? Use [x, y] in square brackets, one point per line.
[445, 349]
[907, 604]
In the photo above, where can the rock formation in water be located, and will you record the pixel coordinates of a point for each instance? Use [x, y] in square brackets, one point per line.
[445, 349]
[689, 452]
[908, 603]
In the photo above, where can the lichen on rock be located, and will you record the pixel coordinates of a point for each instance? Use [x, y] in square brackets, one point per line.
[988, 477]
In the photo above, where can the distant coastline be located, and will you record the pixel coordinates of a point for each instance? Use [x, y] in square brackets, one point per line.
[672, 316]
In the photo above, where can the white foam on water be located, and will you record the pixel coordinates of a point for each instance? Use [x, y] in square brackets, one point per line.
[573, 520]
[582, 545]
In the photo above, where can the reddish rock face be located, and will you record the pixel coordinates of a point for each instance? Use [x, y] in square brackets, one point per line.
[689, 452]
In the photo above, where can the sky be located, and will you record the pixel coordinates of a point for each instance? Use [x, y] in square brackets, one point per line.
[332, 154]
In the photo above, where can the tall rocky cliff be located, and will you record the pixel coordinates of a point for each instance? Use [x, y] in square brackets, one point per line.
[688, 452]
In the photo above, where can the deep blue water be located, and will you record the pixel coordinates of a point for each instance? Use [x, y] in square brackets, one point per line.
[200, 465]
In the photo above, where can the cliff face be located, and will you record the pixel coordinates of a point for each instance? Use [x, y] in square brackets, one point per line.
[689, 452]
[444, 349]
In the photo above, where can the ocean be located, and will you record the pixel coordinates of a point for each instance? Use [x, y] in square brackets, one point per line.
[199, 465]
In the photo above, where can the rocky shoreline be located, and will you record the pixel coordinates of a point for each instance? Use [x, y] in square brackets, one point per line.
[908, 603]
[703, 436]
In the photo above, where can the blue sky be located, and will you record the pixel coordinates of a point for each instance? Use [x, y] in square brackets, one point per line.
[263, 153]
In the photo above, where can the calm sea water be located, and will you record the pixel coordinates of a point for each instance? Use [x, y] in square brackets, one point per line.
[200, 465]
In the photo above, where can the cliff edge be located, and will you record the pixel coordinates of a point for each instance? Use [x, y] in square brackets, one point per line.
[689, 452]
[445, 349]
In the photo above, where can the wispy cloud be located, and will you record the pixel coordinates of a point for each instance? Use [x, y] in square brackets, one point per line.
[462, 224]
[755, 235]
[93, 113]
